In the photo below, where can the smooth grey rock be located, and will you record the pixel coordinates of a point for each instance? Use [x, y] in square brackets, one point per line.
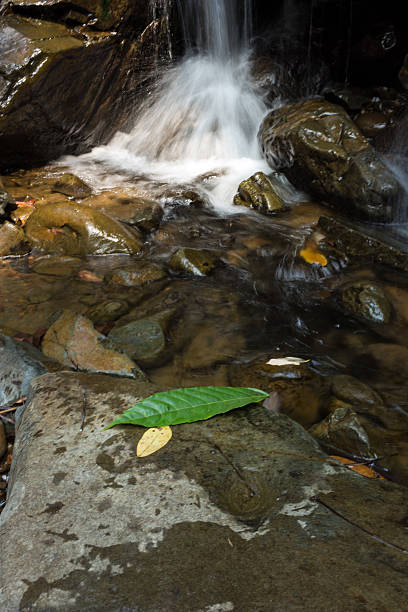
[19, 364]
[230, 502]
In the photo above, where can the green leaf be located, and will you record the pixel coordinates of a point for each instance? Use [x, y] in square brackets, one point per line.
[187, 405]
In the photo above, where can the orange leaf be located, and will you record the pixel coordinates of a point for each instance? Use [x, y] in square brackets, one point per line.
[313, 256]
[360, 468]
[30, 203]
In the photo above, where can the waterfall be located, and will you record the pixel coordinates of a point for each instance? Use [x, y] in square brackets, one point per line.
[204, 112]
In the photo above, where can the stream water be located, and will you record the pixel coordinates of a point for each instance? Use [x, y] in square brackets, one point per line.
[192, 142]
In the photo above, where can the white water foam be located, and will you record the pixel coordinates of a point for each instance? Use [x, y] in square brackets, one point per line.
[201, 119]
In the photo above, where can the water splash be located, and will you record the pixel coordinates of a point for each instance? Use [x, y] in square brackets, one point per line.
[204, 113]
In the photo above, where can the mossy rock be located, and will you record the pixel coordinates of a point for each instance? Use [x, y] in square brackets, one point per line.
[76, 229]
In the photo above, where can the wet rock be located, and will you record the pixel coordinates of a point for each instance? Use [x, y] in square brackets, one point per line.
[19, 364]
[139, 273]
[320, 150]
[52, 265]
[71, 185]
[372, 123]
[342, 431]
[183, 197]
[52, 101]
[7, 203]
[361, 247]
[101, 14]
[367, 300]
[106, 312]
[12, 239]
[403, 73]
[354, 391]
[73, 341]
[3, 440]
[185, 511]
[258, 192]
[127, 206]
[143, 341]
[76, 229]
[195, 261]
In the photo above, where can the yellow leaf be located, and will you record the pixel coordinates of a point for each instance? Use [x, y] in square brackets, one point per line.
[152, 440]
[313, 256]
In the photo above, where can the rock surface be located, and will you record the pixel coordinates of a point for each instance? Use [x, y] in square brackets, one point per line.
[258, 192]
[19, 364]
[76, 229]
[360, 247]
[12, 239]
[231, 501]
[321, 151]
[367, 300]
[194, 261]
[73, 341]
[64, 90]
[139, 273]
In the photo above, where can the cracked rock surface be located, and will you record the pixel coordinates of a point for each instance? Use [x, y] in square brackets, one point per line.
[235, 513]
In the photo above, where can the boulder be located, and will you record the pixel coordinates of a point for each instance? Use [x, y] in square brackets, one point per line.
[76, 229]
[245, 498]
[321, 151]
[73, 341]
[194, 261]
[62, 90]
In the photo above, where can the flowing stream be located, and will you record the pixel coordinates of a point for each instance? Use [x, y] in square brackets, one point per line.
[203, 115]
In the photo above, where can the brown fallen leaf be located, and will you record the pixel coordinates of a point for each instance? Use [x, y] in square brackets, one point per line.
[30, 203]
[89, 277]
[363, 470]
[153, 440]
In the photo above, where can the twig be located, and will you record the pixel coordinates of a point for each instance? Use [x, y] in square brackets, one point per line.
[83, 410]
[369, 533]
[8, 410]
[4, 418]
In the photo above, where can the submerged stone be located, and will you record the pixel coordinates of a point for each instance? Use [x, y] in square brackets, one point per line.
[106, 312]
[53, 265]
[73, 341]
[143, 340]
[195, 261]
[139, 273]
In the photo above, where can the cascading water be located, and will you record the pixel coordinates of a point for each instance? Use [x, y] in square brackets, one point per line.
[204, 113]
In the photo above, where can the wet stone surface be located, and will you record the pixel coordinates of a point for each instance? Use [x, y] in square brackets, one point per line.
[241, 497]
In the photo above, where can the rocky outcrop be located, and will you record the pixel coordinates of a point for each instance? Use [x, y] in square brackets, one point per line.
[242, 498]
[64, 88]
[321, 151]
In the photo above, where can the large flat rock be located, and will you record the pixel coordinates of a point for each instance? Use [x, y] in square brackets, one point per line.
[233, 514]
